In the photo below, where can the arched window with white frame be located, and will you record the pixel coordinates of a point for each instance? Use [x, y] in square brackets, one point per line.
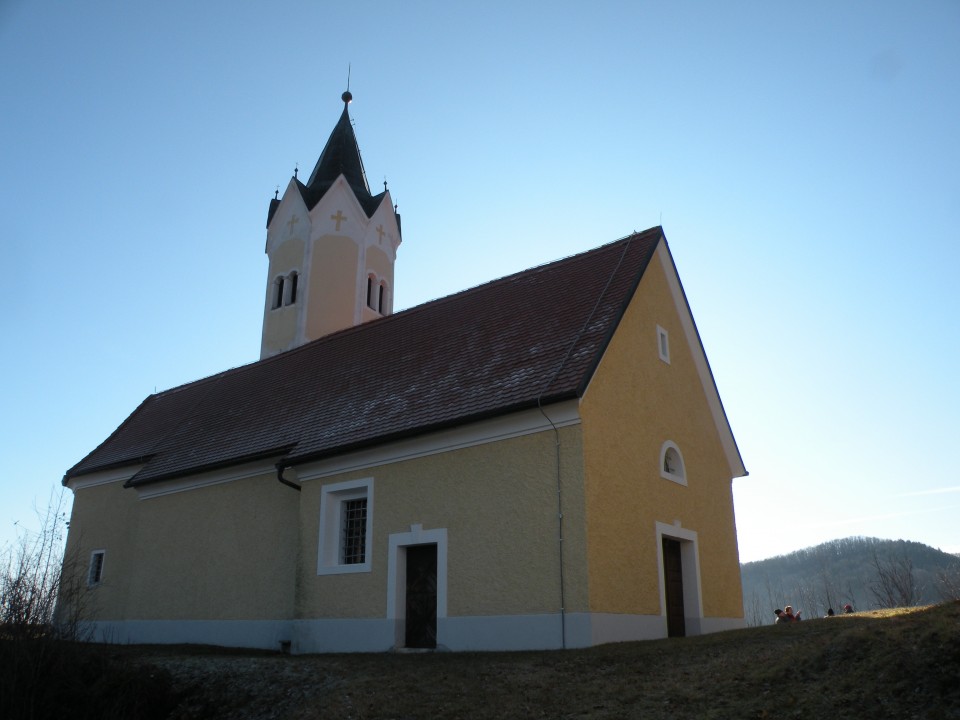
[293, 280]
[371, 295]
[672, 466]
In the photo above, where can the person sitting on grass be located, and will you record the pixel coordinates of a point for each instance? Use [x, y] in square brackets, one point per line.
[791, 616]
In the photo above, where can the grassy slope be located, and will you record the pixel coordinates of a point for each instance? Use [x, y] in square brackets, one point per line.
[897, 664]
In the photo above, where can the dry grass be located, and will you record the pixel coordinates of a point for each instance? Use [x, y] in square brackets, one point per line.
[884, 664]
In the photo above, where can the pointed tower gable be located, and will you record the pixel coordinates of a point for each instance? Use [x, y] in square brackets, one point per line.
[331, 245]
[288, 218]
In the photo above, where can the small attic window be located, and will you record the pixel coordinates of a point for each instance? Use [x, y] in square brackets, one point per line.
[278, 292]
[663, 345]
[671, 463]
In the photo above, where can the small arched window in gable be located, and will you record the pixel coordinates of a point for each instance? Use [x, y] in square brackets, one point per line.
[370, 292]
[294, 278]
[382, 297]
[671, 463]
[278, 292]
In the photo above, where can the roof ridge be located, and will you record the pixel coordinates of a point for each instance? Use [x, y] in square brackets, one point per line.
[474, 353]
[422, 307]
[512, 276]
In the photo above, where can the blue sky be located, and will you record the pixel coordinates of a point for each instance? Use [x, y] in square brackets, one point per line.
[803, 160]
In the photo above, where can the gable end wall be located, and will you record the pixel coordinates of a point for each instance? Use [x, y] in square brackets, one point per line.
[634, 403]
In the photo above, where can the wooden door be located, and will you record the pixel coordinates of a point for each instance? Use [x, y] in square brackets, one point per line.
[421, 616]
[673, 587]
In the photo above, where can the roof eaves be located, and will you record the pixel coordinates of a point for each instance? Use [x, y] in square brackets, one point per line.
[127, 462]
[279, 451]
[74, 472]
[420, 430]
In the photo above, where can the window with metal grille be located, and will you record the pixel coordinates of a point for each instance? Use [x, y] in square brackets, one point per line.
[353, 531]
[96, 568]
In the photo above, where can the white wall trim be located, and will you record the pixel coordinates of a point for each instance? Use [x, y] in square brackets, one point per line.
[102, 477]
[397, 573]
[213, 477]
[679, 478]
[265, 634]
[462, 634]
[331, 498]
[508, 426]
[700, 361]
[690, 561]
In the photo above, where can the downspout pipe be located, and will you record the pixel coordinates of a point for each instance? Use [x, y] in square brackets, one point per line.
[289, 483]
[556, 435]
[563, 608]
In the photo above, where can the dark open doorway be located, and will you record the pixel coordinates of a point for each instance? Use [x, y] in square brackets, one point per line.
[421, 599]
[673, 588]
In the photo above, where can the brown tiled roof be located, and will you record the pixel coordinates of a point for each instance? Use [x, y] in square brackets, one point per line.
[500, 347]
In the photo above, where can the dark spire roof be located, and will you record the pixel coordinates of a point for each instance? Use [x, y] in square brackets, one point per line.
[340, 156]
[480, 353]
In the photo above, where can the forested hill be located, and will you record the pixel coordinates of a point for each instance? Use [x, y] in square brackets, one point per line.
[868, 573]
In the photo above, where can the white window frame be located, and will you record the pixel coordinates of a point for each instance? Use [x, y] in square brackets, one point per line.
[102, 554]
[679, 475]
[332, 498]
[663, 345]
[397, 578]
[373, 285]
[277, 292]
[291, 288]
[690, 562]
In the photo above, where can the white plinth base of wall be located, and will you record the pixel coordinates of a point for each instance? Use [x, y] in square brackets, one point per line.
[476, 633]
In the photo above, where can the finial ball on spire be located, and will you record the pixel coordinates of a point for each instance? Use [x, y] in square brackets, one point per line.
[346, 97]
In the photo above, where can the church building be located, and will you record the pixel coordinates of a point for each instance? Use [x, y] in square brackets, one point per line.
[542, 461]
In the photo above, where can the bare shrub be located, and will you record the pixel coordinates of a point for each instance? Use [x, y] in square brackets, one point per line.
[44, 671]
[947, 582]
[33, 571]
[894, 584]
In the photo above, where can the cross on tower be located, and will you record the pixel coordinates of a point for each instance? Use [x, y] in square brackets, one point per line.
[291, 222]
[380, 232]
[339, 218]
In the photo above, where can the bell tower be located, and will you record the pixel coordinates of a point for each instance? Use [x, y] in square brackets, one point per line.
[331, 246]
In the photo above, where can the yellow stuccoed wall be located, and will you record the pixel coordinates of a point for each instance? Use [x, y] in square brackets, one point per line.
[634, 403]
[280, 325]
[221, 552]
[104, 517]
[334, 274]
[498, 502]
